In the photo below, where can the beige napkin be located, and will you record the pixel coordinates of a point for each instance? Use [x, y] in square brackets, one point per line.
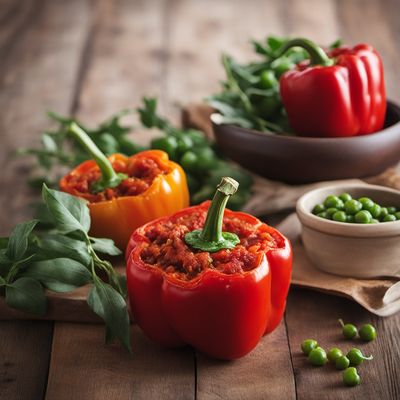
[379, 296]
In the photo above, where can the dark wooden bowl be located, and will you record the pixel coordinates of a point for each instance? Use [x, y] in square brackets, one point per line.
[296, 160]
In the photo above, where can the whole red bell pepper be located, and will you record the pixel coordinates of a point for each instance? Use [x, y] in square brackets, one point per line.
[219, 292]
[338, 94]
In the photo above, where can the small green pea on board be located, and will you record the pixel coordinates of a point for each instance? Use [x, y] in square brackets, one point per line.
[202, 161]
[348, 362]
[344, 208]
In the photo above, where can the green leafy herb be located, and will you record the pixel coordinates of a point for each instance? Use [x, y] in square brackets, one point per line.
[63, 259]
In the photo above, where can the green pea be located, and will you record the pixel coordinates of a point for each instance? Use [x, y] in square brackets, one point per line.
[333, 202]
[391, 210]
[384, 212]
[323, 214]
[351, 377]
[397, 215]
[363, 217]
[375, 210]
[167, 143]
[268, 79]
[349, 330]
[189, 161]
[334, 353]
[342, 362]
[352, 207]
[318, 209]
[198, 138]
[317, 356]
[389, 218]
[374, 221]
[356, 356]
[280, 66]
[350, 219]
[185, 143]
[308, 345]
[330, 211]
[366, 202]
[367, 333]
[345, 197]
[339, 216]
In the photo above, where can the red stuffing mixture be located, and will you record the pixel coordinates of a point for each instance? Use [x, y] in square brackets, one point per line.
[168, 251]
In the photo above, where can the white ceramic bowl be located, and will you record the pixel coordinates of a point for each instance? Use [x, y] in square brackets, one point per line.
[356, 250]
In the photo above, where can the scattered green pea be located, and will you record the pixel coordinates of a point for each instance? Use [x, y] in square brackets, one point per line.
[318, 356]
[391, 210]
[352, 207]
[367, 333]
[384, 212]
[323, 214]
[351, 377]
[356, 356]
[318, 209]
[363, 217]
[308, 345]
[350, 218]
[342, 362]
[374, 221]
[349, 330]
[397, 215]
[389, 218]
[334, 353]
[366, 202]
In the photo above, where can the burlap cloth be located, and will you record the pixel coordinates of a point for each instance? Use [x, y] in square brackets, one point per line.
[379, 296]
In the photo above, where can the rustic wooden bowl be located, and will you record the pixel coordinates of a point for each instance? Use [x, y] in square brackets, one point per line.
[298, 160]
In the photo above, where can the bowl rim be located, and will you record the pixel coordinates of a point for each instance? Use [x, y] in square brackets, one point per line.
[387, 229]
[355, 139]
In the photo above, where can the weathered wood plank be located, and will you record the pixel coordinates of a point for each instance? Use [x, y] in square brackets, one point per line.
[39, 52]
[24, 359]
[37, 75]
[314, 315]
[125, 60]
[83, 368]
[265, 373]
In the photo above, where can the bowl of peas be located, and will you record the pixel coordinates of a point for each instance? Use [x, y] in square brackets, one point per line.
[352, 230]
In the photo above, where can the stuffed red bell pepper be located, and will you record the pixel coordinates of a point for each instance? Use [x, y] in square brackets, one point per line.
[219, 289]
[338, 94]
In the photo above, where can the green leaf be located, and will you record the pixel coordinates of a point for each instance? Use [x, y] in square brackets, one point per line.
[18, 241]
[108, 304]
[105, 246]
[26, 294]
[69, 212]
[59, 274]
[3, 242]
[55, 246]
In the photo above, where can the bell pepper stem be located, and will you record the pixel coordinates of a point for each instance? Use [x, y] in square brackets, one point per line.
[211, 238]
[316, 53]
[109, 178]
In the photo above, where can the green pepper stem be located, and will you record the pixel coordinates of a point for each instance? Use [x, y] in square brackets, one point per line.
[317, 54]
[109, 177]
[211, 238]
[212, 231]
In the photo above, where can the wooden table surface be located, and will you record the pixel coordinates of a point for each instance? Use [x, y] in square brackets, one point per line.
[92, 58]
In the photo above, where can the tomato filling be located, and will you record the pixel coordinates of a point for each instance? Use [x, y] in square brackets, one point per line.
[140, 170]
[166, 248]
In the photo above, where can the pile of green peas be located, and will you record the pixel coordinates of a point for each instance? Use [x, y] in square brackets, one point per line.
[344, 208]
[346, 362]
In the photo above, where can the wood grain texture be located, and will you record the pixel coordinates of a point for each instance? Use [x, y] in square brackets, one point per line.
[24, 359]
[83, 368]
[315, 316]
[265, 373]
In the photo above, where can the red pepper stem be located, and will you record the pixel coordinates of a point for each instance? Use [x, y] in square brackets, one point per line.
[212, 231]
[211, 238]
[109, 177]
[317, 54]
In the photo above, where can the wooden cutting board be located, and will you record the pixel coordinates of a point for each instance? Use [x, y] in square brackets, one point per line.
[71, 306]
